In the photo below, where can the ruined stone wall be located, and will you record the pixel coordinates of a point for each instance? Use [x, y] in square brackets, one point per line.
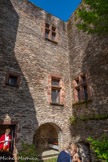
[23, 50]
[89, 55]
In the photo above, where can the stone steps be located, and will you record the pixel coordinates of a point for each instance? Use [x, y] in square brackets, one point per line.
[49, 154]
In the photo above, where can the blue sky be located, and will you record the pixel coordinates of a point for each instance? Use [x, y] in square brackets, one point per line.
[60, 8]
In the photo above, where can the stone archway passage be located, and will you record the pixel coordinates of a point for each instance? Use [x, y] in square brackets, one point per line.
[47, 137]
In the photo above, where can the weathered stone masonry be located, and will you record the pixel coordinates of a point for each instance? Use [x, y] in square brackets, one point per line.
[89, 55]
[23, 50]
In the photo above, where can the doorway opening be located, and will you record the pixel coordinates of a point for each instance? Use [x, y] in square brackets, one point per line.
[12, 133]
[47, 140]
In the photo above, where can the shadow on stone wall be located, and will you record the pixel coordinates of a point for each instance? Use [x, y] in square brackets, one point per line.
[16, 103]
[96, 64]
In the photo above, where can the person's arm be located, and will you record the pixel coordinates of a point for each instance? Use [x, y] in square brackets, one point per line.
[2, 141]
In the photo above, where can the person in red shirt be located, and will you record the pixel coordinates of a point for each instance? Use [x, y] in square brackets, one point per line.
[5, 140]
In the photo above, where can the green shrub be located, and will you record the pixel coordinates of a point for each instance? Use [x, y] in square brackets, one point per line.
[27, 153]
[100, 147]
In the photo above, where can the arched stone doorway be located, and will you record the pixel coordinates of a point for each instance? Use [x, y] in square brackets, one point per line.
[47, 137]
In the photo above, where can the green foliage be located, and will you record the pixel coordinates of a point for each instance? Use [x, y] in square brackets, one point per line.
[27, 151]
[73, 119]
[94, 17]
[100, 147]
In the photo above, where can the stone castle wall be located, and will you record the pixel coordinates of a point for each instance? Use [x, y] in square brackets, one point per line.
[24, 50]
[89, 55]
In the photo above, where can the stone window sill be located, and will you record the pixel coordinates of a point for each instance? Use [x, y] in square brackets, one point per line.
[56, 104]
[82, 102]
[12, 85]
[51, 40]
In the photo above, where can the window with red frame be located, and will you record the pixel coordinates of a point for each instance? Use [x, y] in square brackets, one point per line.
[81, 88]
[55, 90]
[50, 32]
[12, 79]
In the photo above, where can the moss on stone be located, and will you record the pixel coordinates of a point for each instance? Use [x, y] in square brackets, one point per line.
[75, 119]
[85, 102]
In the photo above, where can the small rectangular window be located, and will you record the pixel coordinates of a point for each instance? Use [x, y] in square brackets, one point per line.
[55, 90]
[81, 89]
[55, 96]
[12, 80]
[50, 32]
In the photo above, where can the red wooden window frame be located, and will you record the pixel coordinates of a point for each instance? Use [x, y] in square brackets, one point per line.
[13, 74]
[81, 89]
[50, 32]
[59, 87]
